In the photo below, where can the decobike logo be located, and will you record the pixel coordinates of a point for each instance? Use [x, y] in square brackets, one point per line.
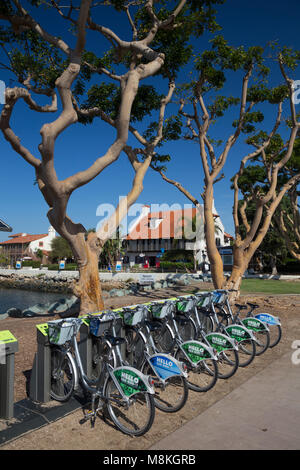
[296, 353]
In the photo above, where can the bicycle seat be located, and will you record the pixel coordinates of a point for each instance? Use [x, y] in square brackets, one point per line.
[153, 325]
[253, 305]
[115, 340]
[241, 306]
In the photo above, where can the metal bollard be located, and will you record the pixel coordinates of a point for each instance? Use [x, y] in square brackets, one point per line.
[8, 347]
[41, 374]
[85, 348]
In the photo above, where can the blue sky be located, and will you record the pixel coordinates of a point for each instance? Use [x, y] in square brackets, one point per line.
[22, 205]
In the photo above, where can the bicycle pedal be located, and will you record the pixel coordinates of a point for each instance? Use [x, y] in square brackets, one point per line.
[89, 414]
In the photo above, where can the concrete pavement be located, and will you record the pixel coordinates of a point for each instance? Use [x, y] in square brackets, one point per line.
[262, 413]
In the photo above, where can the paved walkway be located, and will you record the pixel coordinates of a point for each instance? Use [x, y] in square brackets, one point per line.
[263, 413]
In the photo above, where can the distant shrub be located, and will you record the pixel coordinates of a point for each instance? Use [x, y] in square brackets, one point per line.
[173, 266]
[31, 263]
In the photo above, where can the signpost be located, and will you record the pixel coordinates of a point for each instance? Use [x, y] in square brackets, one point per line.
[118, 266]
[146, 279]
[62, 264]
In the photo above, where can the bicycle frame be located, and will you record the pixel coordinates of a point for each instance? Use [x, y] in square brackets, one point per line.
[127, 379]
[195, 351]
[255, 326]
[163, 365]
[90, 385]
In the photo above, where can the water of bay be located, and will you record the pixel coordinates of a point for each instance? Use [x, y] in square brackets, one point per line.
[22, 299]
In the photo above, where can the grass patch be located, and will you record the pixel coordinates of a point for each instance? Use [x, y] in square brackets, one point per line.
[269, 286]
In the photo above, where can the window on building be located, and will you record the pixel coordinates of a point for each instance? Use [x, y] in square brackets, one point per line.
[227, 259]
[41, 243]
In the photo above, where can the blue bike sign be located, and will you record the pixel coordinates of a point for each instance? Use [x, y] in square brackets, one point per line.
[267, 318]
[165, 366]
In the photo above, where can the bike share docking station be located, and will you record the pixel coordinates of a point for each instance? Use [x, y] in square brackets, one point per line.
[8, 347]
[40, 381]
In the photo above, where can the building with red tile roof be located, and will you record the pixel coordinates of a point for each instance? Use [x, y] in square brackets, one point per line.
[153, 233]
[22, 246]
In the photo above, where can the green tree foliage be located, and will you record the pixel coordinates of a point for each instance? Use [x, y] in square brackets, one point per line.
[60, 249]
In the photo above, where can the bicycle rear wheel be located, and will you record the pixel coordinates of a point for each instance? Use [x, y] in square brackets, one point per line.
[228, 363]
[170, 395]
[62, 376]
[275, 335]
[203, 377]
[263, 341]
[247, 352]
[134, 419]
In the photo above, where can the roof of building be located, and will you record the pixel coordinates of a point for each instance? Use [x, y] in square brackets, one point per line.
[18, 238]
[227, 235]
[169, 224]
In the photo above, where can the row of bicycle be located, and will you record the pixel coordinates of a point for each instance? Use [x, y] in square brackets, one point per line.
[150, 355]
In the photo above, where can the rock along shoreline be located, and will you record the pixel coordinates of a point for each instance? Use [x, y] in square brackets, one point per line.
[113, 285]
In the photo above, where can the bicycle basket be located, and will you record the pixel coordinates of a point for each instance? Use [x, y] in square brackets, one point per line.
[133, 317]
[160, 309]
[202, 300]
[184, 305]
[218, 297]
[101, 323]
[60, 331]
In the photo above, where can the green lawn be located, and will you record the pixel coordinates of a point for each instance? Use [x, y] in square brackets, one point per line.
[269, 286]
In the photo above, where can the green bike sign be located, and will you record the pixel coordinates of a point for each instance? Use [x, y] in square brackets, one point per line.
[238, 332]
[219, 341]
[254, 324]
[129, 381]
[195, 351]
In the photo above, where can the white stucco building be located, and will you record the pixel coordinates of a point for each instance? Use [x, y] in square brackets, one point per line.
[24, 246]
[153, 233]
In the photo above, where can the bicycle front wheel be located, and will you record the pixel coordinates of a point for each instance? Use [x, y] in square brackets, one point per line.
[62, 376]
[186, 328]
[222, 315]
[101, 353]
[206, 322]
[134, 418]
[163, 339]
[135, 356]
[170, 395]
[202, 377]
